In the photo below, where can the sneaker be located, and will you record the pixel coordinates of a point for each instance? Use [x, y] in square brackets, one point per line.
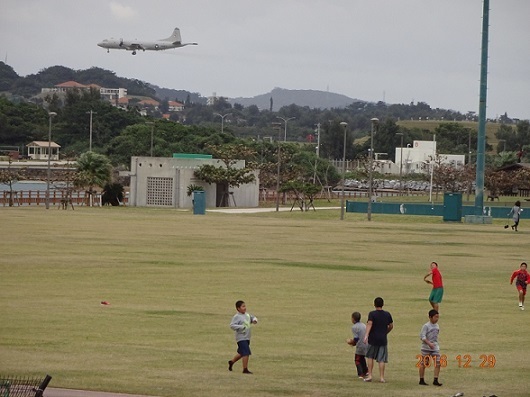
[506, 226]
[230, 363]
[435, 383]
[422, 382]
[522, 307]
[367, 379]
[246, 371]
[520, 304]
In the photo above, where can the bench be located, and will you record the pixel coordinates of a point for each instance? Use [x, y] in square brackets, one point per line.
[23, 386]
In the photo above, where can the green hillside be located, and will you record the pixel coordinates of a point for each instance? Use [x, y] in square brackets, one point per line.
[430, 125]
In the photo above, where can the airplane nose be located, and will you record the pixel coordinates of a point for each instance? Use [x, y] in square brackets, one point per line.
[100, 44]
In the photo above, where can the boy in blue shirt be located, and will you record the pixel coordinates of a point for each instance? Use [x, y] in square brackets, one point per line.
[241, 325]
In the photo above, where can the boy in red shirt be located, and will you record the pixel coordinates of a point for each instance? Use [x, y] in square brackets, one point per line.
[523, 278]
[437, 293]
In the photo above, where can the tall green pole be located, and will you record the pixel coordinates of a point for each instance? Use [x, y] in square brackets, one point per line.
[481, 142]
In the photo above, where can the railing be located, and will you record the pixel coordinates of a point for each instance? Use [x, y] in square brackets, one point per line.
[58, 198]
[270, 195]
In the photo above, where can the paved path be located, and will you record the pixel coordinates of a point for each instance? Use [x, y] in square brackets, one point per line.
[53, 392]
[268, 209]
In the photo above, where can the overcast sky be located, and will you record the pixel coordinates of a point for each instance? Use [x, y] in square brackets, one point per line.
[374, 50]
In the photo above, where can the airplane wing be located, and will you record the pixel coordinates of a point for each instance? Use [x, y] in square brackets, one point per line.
[135, 46]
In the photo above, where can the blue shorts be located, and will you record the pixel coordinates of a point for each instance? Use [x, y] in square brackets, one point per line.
[243, 348]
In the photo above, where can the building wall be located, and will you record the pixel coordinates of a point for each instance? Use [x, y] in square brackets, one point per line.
[416, 158]
[163, 182]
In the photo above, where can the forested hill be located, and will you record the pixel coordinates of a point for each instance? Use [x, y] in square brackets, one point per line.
[31, 84]
[279, 97]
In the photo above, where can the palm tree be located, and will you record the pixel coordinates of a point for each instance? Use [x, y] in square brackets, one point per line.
[93, 169]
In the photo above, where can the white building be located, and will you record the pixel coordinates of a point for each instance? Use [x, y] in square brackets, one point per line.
[109, 94]
[416, 159]
[163, 182]
[38, 150]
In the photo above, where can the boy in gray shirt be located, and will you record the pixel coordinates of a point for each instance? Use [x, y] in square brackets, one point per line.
[430, 350]
[358, 330]
[241, 325]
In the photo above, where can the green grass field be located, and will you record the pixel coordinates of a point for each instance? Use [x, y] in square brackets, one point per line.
[172, 279]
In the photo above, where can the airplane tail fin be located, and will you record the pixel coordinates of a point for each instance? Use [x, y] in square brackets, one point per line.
[175, 37]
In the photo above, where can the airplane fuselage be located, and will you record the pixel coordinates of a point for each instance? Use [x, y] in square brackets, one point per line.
[173, 41]
[119, 44]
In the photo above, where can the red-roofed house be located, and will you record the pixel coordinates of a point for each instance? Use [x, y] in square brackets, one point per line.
[110, 94]
[175, 106]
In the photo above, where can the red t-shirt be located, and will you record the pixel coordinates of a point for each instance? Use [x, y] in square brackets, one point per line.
[436, 278]
[522, 276]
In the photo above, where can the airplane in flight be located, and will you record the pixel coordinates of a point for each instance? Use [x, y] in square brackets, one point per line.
[173, 41]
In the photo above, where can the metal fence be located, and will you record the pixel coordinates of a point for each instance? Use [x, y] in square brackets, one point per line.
[58, 198]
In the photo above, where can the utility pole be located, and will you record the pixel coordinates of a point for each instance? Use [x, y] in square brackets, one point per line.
[90, 141]
[285, 121]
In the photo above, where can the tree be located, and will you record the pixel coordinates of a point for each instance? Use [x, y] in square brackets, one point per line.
[93, 170]
[228, 176]
[514, 138]
[10, 176]
[386, 139]
[304, 193]
[504, 158]
[112, 194]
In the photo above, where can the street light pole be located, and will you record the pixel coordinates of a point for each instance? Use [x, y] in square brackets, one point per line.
[222, 119]
[432, 165]
[469, 148]
[374, 121]
[152, 124]
[318, 154]
[278, 170]
[90, 141]
[49, 171]
[401, 165]
[345, 125]
[504, 141]
[285, 121]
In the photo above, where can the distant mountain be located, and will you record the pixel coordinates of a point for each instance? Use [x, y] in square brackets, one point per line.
[283, 97]
[31, 85]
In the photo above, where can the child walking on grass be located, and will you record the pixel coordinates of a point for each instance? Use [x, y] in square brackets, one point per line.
[241, 323]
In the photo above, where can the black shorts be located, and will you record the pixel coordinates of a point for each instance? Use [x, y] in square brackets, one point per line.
[243, 348]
